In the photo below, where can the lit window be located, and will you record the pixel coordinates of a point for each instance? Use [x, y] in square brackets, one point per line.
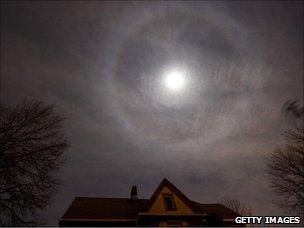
[169, 202]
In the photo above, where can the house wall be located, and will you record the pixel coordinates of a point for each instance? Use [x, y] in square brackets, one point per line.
[159, 207]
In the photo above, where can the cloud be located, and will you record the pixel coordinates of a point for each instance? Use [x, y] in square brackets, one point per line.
[97, 61]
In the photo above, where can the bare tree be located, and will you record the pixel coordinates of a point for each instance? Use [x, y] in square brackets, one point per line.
[286, 171]
[237, 206]
[32, 146]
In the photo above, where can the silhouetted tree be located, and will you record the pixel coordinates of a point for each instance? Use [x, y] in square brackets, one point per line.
[32, 143]
[286, 164]
[237, 206]
[286, 171]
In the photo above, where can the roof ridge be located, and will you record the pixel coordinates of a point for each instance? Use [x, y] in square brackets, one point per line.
[94, 197]
[206, 203]
[175, 190]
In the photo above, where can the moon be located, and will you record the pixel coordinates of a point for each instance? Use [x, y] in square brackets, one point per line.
[174, 80]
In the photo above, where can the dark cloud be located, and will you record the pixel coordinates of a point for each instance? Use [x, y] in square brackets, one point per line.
[101, 63]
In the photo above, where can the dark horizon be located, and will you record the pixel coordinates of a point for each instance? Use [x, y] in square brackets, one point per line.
[108, 68]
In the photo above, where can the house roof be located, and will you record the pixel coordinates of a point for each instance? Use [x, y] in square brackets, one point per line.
[104, 208]
[217, 208]
[87, 208]
[174, 189]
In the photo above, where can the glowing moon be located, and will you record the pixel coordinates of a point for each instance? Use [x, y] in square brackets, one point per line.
[174, 80]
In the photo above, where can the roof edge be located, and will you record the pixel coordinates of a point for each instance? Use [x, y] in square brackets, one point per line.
[175, 190]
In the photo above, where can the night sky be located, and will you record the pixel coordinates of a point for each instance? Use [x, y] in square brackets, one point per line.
[190, 91]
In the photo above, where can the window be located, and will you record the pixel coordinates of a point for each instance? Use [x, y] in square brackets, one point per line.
[169, 202]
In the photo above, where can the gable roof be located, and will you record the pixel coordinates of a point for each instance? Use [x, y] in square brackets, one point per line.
[89, 208]
[175, 190]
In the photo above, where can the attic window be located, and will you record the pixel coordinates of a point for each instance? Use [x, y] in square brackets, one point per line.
[169, 202]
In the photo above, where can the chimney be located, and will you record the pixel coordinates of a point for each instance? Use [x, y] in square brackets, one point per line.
[134, 192]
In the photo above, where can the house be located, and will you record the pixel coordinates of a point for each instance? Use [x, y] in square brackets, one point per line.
[168, 206]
